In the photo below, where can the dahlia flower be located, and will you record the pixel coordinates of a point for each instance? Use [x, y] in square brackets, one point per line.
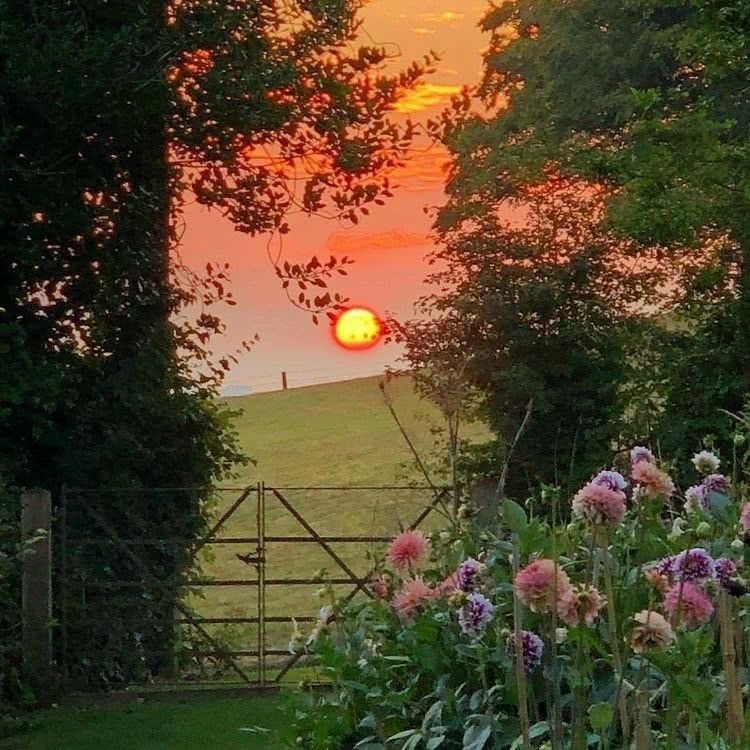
[652, 479]
[379, 587]
[612, 479]
[696, 499]
[726, 570]
[449, 586]
[540, 584]
[408, 549]
[533, 649]
[639, 454]
[656, 578]
[475, 615]
[599, 504]
[325, 617]
[717, 483]
[689, 603]
[414, 592]
[468, 574]
[692, 565]
[706, 462]
[579, 605]
[652, 631]
[745, 517]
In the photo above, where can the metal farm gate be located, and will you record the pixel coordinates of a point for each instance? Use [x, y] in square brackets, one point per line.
[135, 609]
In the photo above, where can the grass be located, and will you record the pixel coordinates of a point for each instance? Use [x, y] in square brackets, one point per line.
[206, 722]
[333, 435]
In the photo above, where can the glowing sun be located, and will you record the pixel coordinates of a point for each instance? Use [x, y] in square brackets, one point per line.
[357, 328]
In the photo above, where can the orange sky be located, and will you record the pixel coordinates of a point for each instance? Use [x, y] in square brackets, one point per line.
[388, 247]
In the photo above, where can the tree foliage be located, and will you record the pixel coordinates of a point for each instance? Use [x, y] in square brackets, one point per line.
[112, 117]
[646, 105]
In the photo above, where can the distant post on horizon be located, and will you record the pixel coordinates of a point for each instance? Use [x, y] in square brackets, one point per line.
[284, 384]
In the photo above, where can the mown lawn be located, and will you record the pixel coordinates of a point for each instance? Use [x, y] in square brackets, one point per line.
[205, 723]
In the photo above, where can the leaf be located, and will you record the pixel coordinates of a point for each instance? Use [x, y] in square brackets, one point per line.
[435, 742]
[402, 735]
[718, 504]
[600, 715]
[475, 737]
[539, 729]
[514, 516]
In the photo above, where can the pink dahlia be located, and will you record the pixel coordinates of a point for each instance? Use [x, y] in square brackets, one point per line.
[651, 631]
[379, 587]
[408, 549]
[450, 585]
[745, 517]
[599, 504]
[689, 603]
[414, 592]
[579, 605]
[652, 479]
[540, 584]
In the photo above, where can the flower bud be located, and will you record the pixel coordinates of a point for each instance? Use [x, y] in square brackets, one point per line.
[703, 529]
[561, 635]
[737, 545]
[457, 599]
[739, 439]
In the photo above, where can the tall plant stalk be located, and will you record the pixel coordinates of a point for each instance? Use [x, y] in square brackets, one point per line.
[729, 660]
[614, 634]
[521, 686]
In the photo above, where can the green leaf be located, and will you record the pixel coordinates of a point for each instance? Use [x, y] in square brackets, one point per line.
[435, 742]
[600, 715]
[539, 729]
[475, 737]
[514, 516]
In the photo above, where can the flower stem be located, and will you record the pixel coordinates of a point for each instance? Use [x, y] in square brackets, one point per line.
[614, 635]
[523, 708]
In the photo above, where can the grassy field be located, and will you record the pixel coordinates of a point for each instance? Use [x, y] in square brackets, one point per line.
[334, 435]
[253, 723]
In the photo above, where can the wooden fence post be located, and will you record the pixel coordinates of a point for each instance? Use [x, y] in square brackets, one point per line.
[36, 603]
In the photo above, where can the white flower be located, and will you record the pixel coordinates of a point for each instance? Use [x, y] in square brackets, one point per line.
[706, 462]
[677, 529]
[295, 642]
[561, 635]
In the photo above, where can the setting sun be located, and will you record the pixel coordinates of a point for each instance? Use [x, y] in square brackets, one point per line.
[357, 328]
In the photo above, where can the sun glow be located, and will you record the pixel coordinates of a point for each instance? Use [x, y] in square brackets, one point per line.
[357, 328]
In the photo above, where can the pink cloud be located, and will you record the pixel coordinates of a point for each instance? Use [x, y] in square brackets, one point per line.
[344, 243]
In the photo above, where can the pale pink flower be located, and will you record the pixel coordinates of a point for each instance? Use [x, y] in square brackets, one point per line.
[540, 584]
[579, 605]
[656, 577]
[408, 549]
[599, 504]
[745, 517]
[652, 479]
[414, 592]
[651, 631]
[379, 587]
[690, 602]
[450, 585]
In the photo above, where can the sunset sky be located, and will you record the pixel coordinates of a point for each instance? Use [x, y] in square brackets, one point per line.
[388, 247]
